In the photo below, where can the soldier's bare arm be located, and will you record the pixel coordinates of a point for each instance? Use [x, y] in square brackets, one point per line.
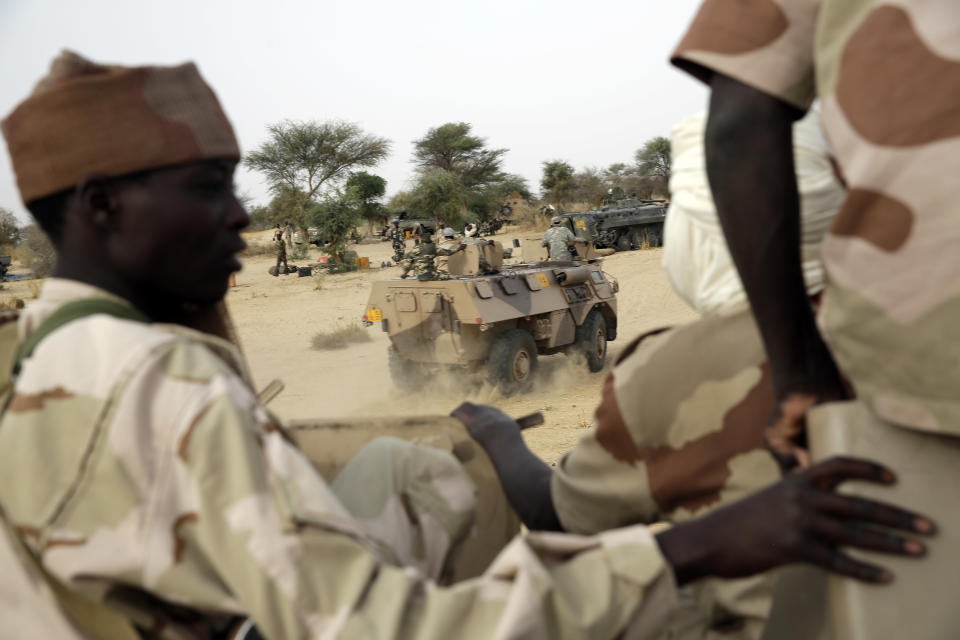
[525, 477]
[749, 152]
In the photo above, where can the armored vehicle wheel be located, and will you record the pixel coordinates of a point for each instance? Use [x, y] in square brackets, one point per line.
[513, 361]
[623, 242]
[654, 235]
[592, 340]
[406, 374]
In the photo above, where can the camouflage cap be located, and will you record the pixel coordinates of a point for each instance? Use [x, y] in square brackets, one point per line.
[85, 118]
[555, 220]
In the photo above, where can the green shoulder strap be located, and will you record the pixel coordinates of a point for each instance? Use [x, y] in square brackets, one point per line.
[74, 311]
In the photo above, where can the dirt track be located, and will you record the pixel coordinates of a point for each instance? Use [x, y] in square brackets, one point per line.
[277, 317]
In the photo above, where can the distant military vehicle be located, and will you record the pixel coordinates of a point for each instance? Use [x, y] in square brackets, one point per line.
[498, 323]
[623, 224]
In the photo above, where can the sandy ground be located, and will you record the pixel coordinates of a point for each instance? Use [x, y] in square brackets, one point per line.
[277, 318]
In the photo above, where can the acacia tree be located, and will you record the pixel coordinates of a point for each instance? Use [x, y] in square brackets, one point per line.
[557, 182]
[441, 195]
[452, 148]
[369, 189]
[465, 158]
[654, 162]
[303, 157]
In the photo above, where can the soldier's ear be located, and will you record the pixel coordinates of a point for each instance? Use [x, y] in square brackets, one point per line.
[98, 201]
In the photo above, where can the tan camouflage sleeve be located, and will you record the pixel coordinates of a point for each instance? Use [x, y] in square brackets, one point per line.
[215, 510]
[766, 44]
[678, 429]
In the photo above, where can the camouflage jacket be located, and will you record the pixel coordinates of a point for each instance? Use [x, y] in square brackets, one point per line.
[556, 239]
[679, 432]
[886, 75]
[422, 259]
[137, 464]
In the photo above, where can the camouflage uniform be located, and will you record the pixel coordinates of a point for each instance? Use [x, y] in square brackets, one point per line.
[679, 432]
[143, 473]
[281, 251]
[422, 260]
[556, 239]
[484, 267]
[447, 244]
[887, 77]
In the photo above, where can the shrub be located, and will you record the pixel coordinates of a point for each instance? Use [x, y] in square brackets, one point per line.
[340, 337]
[37, 252]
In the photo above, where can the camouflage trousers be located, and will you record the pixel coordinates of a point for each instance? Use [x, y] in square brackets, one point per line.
[426, 494]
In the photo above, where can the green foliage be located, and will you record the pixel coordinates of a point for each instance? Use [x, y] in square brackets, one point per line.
[400, 200]
[10, 229]
[459, 179]
[557, 181]
[441, 195]
[451, 147]
[653, 158]
[369, 189]
[336, 216]
[38, 252]
[301, 157]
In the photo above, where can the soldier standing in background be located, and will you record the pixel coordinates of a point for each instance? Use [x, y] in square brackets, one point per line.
[288, 234]
[281, 251]
[557, 239]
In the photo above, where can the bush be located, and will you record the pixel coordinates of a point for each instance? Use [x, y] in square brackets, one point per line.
[37, 252]
[340, 337]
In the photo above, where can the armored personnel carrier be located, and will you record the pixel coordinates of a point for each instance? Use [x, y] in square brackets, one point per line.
[624, 224]
[496, 324]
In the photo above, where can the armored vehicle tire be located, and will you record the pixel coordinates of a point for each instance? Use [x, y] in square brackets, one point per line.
[592, 340]
[654, 235]
[513, 361]
[406, 374]
[623, 242]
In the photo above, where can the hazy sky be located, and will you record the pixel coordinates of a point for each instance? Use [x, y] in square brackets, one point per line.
[585, 82]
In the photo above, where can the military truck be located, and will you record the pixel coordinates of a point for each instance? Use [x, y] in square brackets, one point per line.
[624, 224]
[495, 324]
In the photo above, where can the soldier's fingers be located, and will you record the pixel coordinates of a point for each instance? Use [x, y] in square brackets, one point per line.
[838, 532]
[832, 560]
[829, 473]
[871, 511]
[464, 411]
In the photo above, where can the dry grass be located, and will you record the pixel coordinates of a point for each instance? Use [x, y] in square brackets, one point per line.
[340, 337]
[11, 303]
[255, 249]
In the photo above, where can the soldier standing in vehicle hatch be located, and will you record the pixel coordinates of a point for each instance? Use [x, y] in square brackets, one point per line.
[422, 258]
[558, 239]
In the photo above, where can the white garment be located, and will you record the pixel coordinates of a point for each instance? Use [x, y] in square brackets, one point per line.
[695, 255]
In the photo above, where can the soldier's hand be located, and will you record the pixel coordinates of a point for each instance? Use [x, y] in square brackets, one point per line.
[486, 424]
[799, 519]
